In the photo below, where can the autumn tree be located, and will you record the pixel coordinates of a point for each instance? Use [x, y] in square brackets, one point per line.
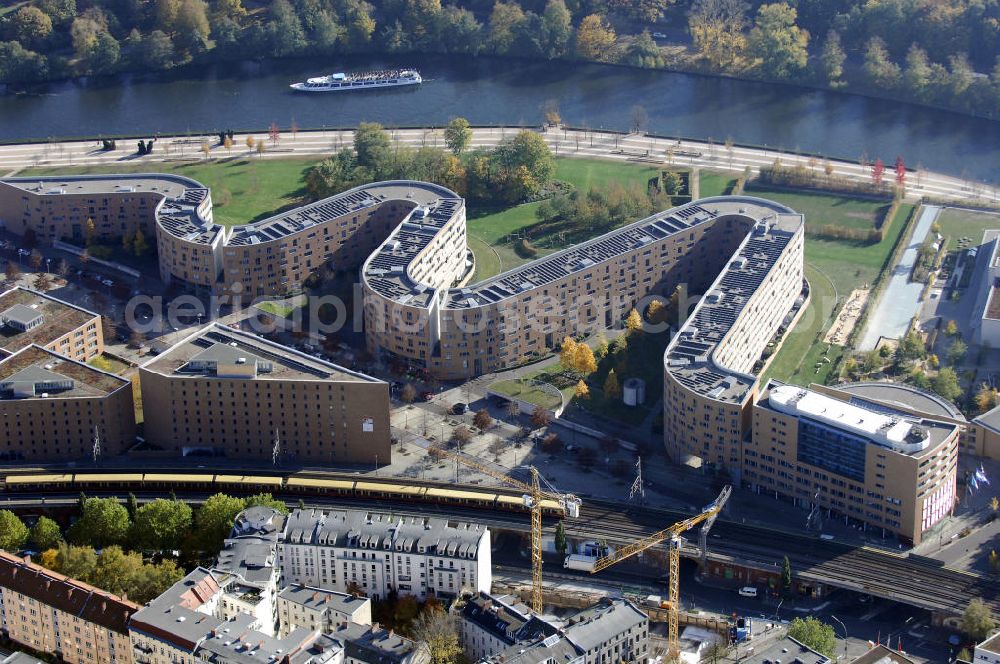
[633, 323]
[482, 420]
[251, 141]
[986, 398]
[461, 435]
[408, 393]
[439, 631]
[656, 312]
[831, 60]
[581, 391]
[878, 171]
[583, 359]
[567, 354]
[977, 620]
[540, 417]
[595, 39]
[612, 390]
[716, 27]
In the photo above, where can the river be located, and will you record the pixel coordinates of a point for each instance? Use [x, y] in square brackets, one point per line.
[251, 95]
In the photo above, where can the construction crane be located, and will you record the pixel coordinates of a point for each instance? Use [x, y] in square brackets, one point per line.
[533, 497]
[706, 518]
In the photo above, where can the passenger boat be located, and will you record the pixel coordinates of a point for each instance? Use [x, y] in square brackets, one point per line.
[389, 78]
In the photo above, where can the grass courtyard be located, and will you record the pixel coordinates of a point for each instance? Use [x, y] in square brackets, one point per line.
[965, 228]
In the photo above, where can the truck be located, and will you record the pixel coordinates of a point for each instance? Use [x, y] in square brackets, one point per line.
[576, 561]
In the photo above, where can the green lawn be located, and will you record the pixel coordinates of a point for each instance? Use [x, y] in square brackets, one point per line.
[713, 183]
[967, 225]
[108, 363]
[823, 209]
[583, 173]
[279, 309]
[487, 261]
[243, 190]
[525, 391]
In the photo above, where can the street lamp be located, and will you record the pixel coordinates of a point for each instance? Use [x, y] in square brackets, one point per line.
[845, 633]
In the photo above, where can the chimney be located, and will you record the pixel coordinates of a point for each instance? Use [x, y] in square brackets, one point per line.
[124, 596]
[27, 558]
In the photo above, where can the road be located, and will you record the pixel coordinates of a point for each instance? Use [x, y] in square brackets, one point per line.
[563, 142]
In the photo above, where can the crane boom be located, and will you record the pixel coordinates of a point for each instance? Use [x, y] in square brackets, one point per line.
[533, 497]
[673, 534]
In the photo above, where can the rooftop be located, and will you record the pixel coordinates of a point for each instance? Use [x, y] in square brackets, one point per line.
[178, 214]
[690, 356]
[882, 655]
[181, 615]
[553, 649]
[786, 650]
[59, 318]
[902, 395]
[238, 642]
[359, 528]
[991, 644]
[506, 618]
[591, 627]
[319, 599]
[216, 350]
[374, 645]
[65, 594]
[904, 435]
[34, 371]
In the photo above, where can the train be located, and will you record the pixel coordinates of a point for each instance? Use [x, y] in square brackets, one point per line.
[39, 481]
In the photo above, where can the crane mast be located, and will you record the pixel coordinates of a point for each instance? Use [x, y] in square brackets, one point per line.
[533, 498]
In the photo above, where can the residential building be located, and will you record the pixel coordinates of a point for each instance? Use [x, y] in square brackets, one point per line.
[987, 652]
[785, 649]
[883, 655]
[318, 609]
[372, 644]
[858, 459]
[233, 393]
[52, 408]
[29, 317]
[50, 613]
[378, 553]
[490, 624]
[238, 642]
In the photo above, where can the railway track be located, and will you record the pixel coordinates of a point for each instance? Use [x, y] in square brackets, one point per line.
[898, 577]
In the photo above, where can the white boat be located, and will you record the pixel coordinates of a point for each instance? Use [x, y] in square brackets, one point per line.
[389, 78]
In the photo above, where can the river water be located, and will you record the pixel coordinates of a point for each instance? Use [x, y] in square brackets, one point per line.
[251, 95]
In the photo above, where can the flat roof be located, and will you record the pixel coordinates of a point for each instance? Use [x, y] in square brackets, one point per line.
[37, 363]
[991, 644]
[786, 650]
[903, 395]
[882, 655]
[60, 318]
[285, 363]
[897, 432]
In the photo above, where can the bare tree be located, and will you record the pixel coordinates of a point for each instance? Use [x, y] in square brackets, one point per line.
[409, 393]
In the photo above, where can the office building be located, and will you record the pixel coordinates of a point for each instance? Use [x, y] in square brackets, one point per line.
[29, 317]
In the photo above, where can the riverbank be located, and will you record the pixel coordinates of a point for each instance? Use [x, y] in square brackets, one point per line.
[487, 91]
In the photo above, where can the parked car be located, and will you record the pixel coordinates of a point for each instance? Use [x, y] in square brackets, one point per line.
[459, 408]
[659, 35]
[427, 396]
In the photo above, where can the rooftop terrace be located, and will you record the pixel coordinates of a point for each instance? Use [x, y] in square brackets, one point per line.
[39, 366]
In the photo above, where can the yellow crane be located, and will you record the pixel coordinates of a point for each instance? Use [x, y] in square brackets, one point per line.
[533, 497]
[673, 534]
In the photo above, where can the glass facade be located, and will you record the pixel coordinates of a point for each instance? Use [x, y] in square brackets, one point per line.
[832, 449]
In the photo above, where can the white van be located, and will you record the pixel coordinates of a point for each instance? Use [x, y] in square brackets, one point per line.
[748, 591]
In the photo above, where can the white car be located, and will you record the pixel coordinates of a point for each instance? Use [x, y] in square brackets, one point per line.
[659, 35]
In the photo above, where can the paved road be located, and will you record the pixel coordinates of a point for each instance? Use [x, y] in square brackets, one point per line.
[563, 142]
[901, 299]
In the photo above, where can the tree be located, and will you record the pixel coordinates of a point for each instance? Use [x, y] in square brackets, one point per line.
[977, 621]
[505, 18]
[156, 50]
[482, 420]
[512, 409]
[540, 417]
[408, 393]
[12, 271]
[878, 170]
[78, 562]
[957, 351]
[612, 390]
[103, 522]
[261, 148]
[583, 359]
[214, 520]
[265, 500]
[780, 46]
[945, 383]
[461, 435]
[18, 64]
[373, 147]
[831, 61]
[880, 70]
[45, 534]
[595, 39]
[786, 575]
[557, 28]
[116, 570]
[581, 391]
[161, 524]
[139, 244]
[656, 312]
[918, 73]
[567, 354]
[43, 282]
[13, 532]
[716, 27]
[439, 631]
[457, 135]
[951, 328]
[561, 544]
[31, 26]
[644, 52]
[814, 634]
[633, 323]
